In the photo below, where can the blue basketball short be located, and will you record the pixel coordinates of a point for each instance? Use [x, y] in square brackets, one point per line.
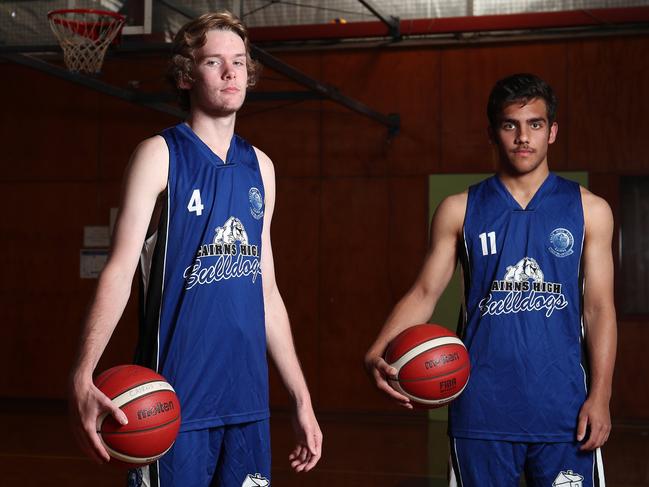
[488, 463]
[227, 456]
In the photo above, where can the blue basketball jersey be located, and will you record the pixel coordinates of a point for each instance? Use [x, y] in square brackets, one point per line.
[522, 320]
[202, 324]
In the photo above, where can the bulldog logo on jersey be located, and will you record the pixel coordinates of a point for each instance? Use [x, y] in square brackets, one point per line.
[256, 203]
[232, 231]
[228, 256]
[526, 269]
[561, 242]
[568, 479]
[522, 289]
[255, 480]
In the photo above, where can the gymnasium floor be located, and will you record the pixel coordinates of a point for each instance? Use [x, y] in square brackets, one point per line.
[37, 449]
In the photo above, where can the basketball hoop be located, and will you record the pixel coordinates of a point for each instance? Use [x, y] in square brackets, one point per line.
[84, 36]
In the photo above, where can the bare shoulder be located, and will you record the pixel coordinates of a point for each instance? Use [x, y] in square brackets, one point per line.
[153, 150]
[449, 215]
[150, 163]
[453, 207]
[267, 170]
[597, 211]
[265, 164]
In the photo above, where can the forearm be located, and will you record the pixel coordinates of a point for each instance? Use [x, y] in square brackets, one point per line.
[111, 296]
[282, 349]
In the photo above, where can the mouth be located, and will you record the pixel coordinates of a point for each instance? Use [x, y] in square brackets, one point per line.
[230, 89]
[523, 151]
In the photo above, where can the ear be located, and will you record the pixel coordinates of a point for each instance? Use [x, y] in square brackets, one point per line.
[554, 129]
[184, 83]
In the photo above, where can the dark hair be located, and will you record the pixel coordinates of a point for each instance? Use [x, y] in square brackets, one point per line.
[522, 87]
[191, 37]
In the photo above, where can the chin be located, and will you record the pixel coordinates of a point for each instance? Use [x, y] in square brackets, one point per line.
[521, 169]
[225, 109]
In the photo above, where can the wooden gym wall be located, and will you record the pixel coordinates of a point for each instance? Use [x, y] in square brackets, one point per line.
[350, 224]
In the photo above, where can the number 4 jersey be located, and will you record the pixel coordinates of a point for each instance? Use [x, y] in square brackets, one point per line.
[522, 317]
[203, 325]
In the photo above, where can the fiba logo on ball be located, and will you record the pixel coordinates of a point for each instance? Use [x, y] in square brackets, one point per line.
[561, 242]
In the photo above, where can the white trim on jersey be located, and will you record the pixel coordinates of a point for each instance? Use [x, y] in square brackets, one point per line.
[146, 260]
[600, 469]
[162, 284]
[146, 476]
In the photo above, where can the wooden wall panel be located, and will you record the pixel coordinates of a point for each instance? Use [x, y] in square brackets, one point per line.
[45, 130]
[609, 96]
[121, 126]
[296, 244]
[42, 295]
[290, 135]
[630, 393]
[468, 75]
[406, 213]
[354, 292]
[288, 131]
[388, 81]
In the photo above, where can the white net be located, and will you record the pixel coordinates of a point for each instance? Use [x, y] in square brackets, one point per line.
[84, 36]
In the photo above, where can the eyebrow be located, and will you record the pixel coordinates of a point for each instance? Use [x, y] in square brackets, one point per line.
[243, 54]
[529, 120]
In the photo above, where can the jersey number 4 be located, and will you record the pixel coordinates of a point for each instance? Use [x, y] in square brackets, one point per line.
[195, 204]
[491, 249]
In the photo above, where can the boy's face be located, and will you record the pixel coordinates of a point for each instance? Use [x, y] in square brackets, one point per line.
[220, 74]
[522, 135]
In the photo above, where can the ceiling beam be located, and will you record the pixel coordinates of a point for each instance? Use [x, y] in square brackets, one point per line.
[392, 22]
[93, 83]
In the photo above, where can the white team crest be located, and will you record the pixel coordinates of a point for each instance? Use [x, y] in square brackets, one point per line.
[561, 242]
[256, 203]
[568, 479]
[232, 231]
[255, 480]
[526, 269]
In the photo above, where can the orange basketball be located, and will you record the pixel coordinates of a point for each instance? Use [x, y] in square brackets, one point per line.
[432, 365]
[153, 413]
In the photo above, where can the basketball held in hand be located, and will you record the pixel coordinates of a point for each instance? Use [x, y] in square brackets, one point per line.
[432, 365]
[152, 409]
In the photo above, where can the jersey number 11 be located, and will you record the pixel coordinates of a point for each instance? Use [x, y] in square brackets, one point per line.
[492, 243]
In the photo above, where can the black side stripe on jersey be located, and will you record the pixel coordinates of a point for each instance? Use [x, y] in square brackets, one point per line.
[146, 353]
[465, 267]
[454, 476]
[154, 479]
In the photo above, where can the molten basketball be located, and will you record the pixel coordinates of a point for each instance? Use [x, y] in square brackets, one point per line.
[432, 365]
[152, 409]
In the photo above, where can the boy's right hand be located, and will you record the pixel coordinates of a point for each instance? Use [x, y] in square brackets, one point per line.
[379, 371]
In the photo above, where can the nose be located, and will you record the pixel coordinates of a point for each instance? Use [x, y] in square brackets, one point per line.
[228, 71]
[522, 136]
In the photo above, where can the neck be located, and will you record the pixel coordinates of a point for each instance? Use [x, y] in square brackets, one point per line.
[523, 187]
[216, 132]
